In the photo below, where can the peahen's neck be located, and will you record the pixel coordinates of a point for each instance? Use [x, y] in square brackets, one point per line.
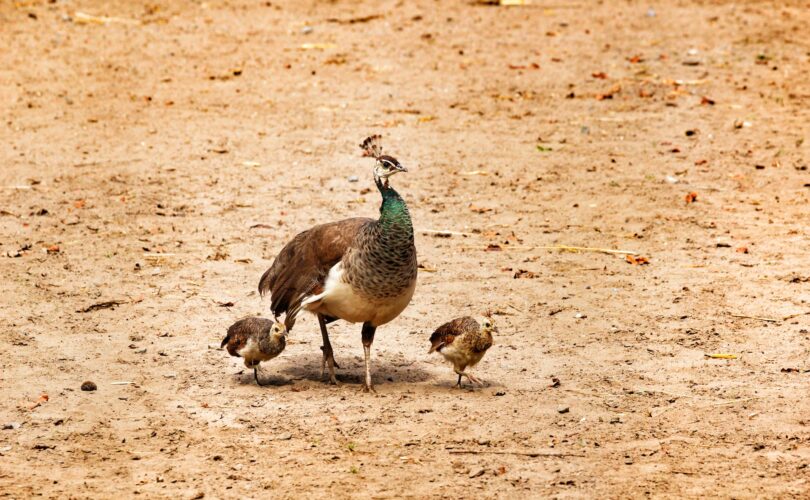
[394, 214]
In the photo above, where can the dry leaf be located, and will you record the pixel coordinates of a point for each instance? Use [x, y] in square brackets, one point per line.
[600, 75]
[79, 203]
[53, 249]
[637, 260]
[691, 197]
[494, 247]
[43, 398]
[522, 273]
[742, 250]
[609, 94]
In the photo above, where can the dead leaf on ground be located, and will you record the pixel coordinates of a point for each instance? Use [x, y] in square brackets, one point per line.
[226, 304]
[742, 250]
[494, 247]
[609, 94]
[691, 197]
[637, 260]
[600, 75]
[79, 203]
[522, 273]
[43, 398]
[53, 249]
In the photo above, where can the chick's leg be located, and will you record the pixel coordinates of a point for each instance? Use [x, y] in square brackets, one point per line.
[472, 378]
[328, 355]
[256, 375]
[460, 372]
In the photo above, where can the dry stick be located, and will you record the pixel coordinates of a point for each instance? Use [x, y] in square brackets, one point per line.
[511, 452]
[772, 320]
[444, 231]
[561, 247]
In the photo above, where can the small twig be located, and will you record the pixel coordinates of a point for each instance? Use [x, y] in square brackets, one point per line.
[101, 305]
[733, 401]
[515, 307]
[537, 453]
[772, 320]
[557, 247]
[444, 231]
[588, 249]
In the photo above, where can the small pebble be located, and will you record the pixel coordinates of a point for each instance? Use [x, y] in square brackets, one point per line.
[483, 442]
[563, 409]
[11, 426]
[353, 178]
[477, 473]
[89, 386]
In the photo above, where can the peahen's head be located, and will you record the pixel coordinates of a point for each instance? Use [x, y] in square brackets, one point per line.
[386, 165]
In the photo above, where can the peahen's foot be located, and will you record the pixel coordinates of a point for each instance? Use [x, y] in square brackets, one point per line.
[475, 380]
[328, 360]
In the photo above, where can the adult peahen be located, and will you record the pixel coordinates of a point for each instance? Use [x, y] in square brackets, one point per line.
[359, 270]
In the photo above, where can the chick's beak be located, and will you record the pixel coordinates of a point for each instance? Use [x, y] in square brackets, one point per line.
[402, 168]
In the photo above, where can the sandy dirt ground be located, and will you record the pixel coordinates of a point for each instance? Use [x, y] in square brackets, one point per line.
[159, 156]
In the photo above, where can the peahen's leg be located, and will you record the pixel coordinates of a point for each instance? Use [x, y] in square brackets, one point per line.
[328, 355]
[368, 338]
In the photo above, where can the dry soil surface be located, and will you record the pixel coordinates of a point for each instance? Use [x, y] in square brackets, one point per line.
[156, 157]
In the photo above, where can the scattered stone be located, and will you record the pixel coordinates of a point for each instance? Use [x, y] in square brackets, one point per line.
[89, 386]
[563, 409]
[477, 473]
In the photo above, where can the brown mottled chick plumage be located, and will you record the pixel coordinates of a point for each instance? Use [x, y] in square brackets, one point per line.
[463, 342]
[255, 340]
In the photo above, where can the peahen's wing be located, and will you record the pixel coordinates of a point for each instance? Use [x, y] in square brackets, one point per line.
[301, 267]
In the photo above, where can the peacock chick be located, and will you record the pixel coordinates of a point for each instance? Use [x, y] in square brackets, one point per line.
[255, 340]
[463, 342]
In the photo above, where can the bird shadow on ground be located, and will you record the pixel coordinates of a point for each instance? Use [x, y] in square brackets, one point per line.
[284, 370]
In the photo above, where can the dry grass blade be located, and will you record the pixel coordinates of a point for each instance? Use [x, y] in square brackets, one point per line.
[535, 453]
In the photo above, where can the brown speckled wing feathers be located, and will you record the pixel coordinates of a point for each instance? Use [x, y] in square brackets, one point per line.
[301, 267]
[447, 333]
